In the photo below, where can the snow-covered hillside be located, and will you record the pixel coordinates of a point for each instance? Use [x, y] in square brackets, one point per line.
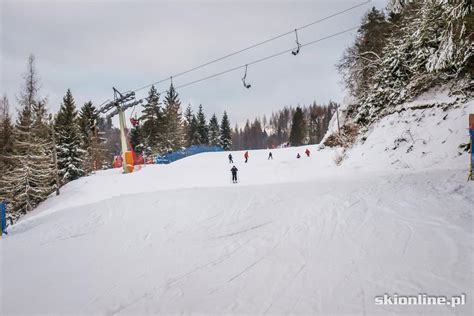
[421, 134]
[295, 236]
[416, 138]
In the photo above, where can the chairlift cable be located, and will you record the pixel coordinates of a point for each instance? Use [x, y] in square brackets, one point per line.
[253, 46]
[263, 59]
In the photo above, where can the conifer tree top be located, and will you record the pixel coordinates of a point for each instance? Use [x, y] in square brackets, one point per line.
[172, 97]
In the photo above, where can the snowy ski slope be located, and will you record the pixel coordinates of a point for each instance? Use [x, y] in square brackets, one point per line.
[293, 237]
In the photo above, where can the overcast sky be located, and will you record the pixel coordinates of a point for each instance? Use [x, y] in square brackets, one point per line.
[90, 46]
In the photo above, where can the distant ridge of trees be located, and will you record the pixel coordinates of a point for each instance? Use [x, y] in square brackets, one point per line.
[310, 127]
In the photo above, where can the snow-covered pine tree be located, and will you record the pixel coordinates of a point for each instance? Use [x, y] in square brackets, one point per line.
[188, 116]
[455, 48]
[313, 128]
[6, 135]
[87, 120]
[246, 141]
[97, 150]
[136, 139]
[265, 139]
[298, 128]
[214, 132]
[396, 6]
[92, 142]
[193, 133]
[202, 127]
[254, 135]
[31, 177]
[360, 61]
[174, 135]
[153, 124]
[70, 154]
[226, 132]
[43, 134]
[428, 45]
[30, 180]
[236, 138]
[110, 137]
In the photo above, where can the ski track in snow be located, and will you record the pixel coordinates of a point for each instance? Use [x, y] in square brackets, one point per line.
[293, 237]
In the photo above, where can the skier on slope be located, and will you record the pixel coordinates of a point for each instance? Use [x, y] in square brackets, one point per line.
[234, 174]
[230, 159]
[307, 152]
[298, 156]
[270, 156]
[246, 156]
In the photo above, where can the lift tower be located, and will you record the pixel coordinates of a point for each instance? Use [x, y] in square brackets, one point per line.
[119, 105]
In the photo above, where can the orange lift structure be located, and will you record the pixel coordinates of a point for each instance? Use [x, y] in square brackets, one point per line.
[121, 103]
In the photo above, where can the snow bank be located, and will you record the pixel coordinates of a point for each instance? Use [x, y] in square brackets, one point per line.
[417, 139]
[424, 133]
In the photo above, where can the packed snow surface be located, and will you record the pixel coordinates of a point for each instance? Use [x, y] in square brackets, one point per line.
[294, 236]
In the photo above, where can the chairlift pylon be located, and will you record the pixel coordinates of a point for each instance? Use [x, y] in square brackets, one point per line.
[246, 85]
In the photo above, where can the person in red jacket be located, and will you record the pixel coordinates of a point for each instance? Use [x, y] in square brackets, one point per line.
[307, 152]
[246, 156]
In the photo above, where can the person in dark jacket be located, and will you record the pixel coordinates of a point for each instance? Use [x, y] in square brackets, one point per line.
[234, 174]
[298, 156]
[230, 159]
[270, 156]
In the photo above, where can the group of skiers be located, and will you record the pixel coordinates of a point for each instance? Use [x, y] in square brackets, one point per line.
[307, 152]
[246, 157]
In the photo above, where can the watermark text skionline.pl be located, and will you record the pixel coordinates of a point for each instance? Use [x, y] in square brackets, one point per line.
[420, 299]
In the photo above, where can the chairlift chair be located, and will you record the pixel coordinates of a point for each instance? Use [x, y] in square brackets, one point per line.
[298, 45]
[134, 121]
[246, 85]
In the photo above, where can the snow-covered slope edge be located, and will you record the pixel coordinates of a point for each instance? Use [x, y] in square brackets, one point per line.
[423, 133]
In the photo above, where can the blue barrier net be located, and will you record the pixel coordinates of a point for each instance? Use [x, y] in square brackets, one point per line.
[176, 155]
